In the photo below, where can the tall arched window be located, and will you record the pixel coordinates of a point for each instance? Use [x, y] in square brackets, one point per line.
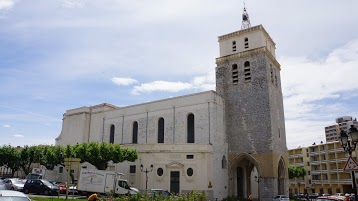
[246, 43]
[135, 133]
[247, 71]
[111, 135]
[235, 74]
[190, 129]
[161, 130]
[234, 46]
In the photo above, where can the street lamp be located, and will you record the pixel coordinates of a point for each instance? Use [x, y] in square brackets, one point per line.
[258, 179]
[146, 174]
[349, 142]
[299, 184]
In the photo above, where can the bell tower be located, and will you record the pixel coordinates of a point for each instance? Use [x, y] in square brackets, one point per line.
[248, 78]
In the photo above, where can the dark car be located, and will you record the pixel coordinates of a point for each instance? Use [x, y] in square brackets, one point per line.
[40, 186]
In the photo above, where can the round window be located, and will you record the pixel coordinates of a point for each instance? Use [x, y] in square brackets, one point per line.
[160, 171]
[190, 172]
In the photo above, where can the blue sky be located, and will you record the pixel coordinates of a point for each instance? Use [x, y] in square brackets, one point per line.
[63, 54]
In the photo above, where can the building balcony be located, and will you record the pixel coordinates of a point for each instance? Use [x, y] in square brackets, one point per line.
[296, 156]
[345, 159]
[345, 181]
[315, 172]
[315, 162]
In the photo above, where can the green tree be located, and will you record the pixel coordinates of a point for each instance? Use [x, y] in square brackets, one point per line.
[29, 155]
[99, 154]
[10, 157]
[51, 156]
[296, 172]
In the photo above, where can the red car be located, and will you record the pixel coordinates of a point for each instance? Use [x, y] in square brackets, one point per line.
[62, 187]
[330, 198]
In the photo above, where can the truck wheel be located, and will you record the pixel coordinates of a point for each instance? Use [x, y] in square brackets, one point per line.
[26, 191]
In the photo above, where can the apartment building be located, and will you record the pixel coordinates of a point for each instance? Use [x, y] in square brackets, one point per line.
[342, 123]
[324, 164]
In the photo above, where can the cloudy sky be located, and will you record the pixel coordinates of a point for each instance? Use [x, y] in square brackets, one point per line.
[62, 54]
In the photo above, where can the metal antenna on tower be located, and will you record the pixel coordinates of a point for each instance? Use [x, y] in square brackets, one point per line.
[245, 19]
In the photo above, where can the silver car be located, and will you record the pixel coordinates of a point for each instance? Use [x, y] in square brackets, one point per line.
[7, 195]
[14, 184]
[281, 198]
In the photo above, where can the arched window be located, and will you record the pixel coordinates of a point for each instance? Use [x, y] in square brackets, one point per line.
[246, 43]
[247, 71]
[111, 135]
[234, 46]
[190, 129]
[161, 130]
[235, 74]
[135, 133]
[223, 162]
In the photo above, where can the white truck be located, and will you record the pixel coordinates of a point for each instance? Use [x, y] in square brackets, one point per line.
[104, 182]
[42, 173]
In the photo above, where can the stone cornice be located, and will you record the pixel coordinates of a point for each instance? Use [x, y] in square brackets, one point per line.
[249, 53]
[251, 29]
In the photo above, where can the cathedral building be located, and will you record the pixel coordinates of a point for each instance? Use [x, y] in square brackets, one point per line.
[228, 142]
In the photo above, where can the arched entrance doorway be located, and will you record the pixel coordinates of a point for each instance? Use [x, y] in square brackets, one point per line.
[281, 177]
[243, 172]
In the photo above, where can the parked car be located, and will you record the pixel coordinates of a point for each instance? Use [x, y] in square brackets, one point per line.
[339, 194]
[281, 198]
[13, 195]
[2, 187]
[330, 198]
[14, 184]
[158, 193]
[313, 196]
[40, 186]
[61, 186]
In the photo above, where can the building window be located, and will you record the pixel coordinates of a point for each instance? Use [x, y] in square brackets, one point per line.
[246, 43]
[276, 78]
[60, 170]
[132, 169]
[111, 135]
[135, 133]
[247, 71]
[190, 172]
[161, 130]
[272, 79]
[160, 172]
[235, 74]
[234, 46]
[308, 163]
[189, 156]
[223, 162]
[190, 129]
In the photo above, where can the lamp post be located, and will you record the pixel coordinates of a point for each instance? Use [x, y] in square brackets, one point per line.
[349, 142]
[146, 174]
[258, 179]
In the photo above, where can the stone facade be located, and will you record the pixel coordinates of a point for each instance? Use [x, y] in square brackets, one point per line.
[240, 141]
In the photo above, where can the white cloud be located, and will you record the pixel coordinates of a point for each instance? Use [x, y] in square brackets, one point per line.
[161, 86]
[202, 83]
[6, 126]
[125, 81]
[72, 3]
[314, 92]
[6, 4]
[18, 135]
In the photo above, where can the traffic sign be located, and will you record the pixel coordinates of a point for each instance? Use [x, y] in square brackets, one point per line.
[351, 165]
